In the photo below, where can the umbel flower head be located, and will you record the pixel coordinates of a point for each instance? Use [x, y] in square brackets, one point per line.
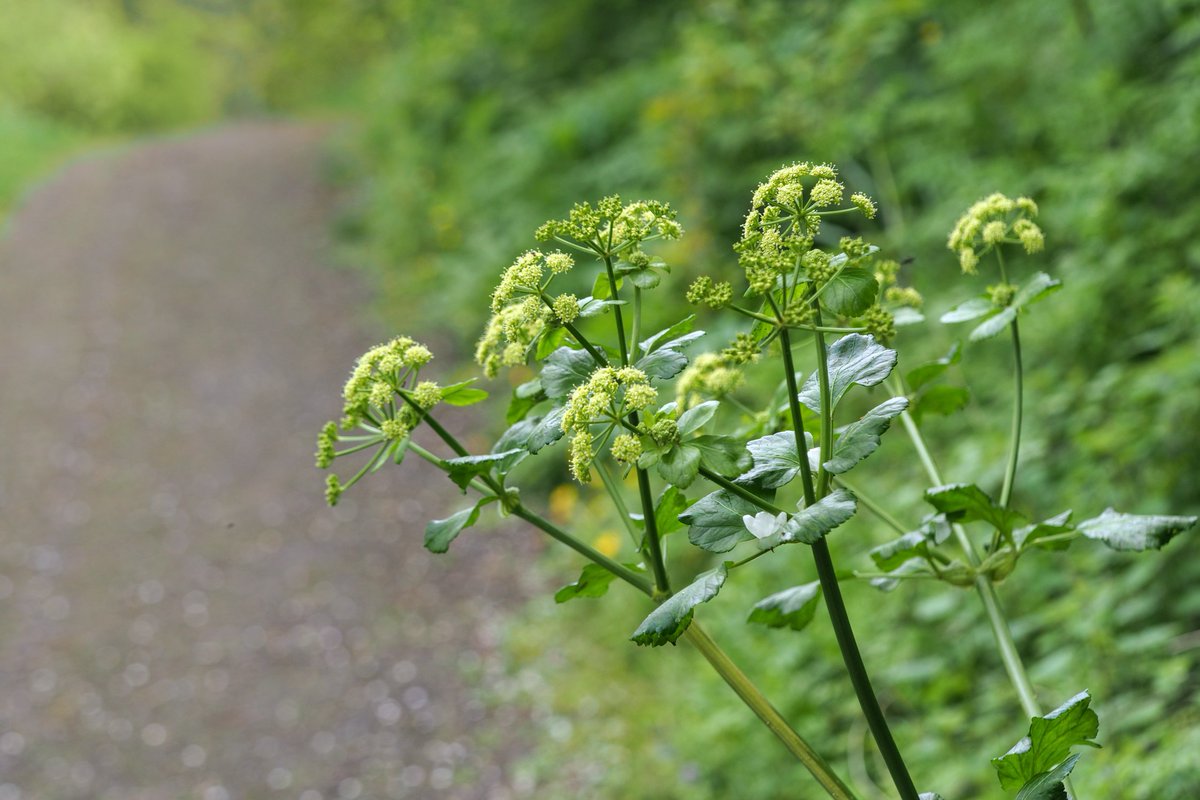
[784, 219]
[383, 397]
[610, 227]
[993, 221]
[607, 395]
[521, 309]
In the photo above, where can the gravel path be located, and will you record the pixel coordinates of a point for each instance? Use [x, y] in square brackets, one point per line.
[180, 616]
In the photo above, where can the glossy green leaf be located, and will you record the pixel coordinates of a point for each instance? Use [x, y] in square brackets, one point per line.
[1036, 288]
[680, 465]
[993, 324]
[593, 581]
[810, 524]
[439, 533]
[941, 400]
[722, 454]
[1049, 785]
[861, 438]
[669, 621]
[852, 359]
[465, 469]
[911, 568]
[461, 394]
[694, 418]
[644, 278]
[1049, 742]
[792, 608]
[966, 502]
[525, 398]
[594, 306]
[922, 374]
[906, 316]
[1034, 535]
[532, 434]
[550, 340]
[672, 333]
[776, 461]
[716, 521]
[671, 503]
[974, 308]
[1134, 532]
[565, 369]
[915, 544]
[667, 360]
[850, 292]
[602, 289]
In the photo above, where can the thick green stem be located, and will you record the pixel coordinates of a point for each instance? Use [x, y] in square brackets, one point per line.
[620, 570]
[754, 699]
[657, 562]
[827, 574]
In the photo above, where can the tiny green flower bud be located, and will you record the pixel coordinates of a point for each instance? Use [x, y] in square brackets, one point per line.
[817, 266]
[1001, 294]
[381, 394]
[968, 260]
[640, 396]
[626, 448]
[699, 291]
[993, 232]
[864, 204]
[827, 193]
[742, 350]
[665, 432]
[566, 308]
[904, 296]
[394, 428]
[1029, 234]
[427, 394]
[581, 456]
[333, 490]
[879, 323]
[559, 262]
[325, 445]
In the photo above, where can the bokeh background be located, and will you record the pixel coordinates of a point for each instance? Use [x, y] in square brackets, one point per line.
[349, 170]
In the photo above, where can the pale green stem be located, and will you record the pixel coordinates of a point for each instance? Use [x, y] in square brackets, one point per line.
[754, 699]
[1014, 442]
[614, 493]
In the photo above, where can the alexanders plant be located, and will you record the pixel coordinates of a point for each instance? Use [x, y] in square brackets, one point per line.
[746, 479]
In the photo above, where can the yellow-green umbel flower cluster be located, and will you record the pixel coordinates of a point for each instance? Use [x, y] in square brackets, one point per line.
[704, 291]
[610, 226]
[785, 216]
[709, 376]
[521, 309]
[993, 221]
[610, 392]
[385, 399]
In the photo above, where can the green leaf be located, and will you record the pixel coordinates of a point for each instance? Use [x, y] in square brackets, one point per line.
[812, 523]
[644, 278]
[466, 468]
[922, 374]
[671, 503]
[1049, 785]
[565, 369]
[694, 418]
[593, 306]
[1031, 535]
[602, 289]
[525, 398]
[716, 521]
[593, 582]
[914, 544]
[943, 400]
[528, 436]
[439, 533]
[966, 502]
[684, 325]
[723, 454]
[861, 438]
[994, 324]
[776, 461]
[792, 608]
[1134, 532]
[1049, 742]
[850, 292]
[550, 340]
[668, 359]
[906, 316]
[460, 394]
[680, 465]
[911, 568]
[852, 359]
[668, 622]
[974, 308]
[1037, 287]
